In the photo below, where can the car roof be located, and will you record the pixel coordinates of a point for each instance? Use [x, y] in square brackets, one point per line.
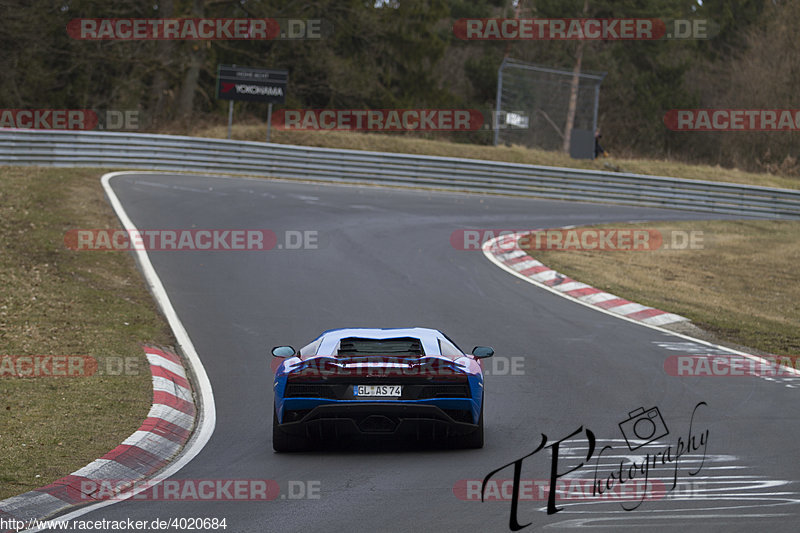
[427, 336]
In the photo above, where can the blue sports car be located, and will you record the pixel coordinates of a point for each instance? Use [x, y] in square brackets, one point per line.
[398, 382]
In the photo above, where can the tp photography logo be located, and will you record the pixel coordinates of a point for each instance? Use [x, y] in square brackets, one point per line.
[643, 427]
[638, 471]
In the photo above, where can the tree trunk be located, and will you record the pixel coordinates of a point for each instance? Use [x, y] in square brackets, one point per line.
[573, 91]
[160, 88]
[192, 75]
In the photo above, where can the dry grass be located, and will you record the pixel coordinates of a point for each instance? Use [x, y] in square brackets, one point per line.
[56, 301]
[743, 285]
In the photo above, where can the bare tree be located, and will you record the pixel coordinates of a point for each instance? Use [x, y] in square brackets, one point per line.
[196, 57]
[573, 91]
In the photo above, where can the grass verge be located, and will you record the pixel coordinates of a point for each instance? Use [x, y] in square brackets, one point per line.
[56, 301]
[407, 144]
[742, 285]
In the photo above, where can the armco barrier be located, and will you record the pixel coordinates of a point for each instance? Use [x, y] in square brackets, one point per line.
[178, 153]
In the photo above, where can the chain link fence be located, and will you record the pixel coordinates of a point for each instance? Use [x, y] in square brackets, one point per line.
[533, 104]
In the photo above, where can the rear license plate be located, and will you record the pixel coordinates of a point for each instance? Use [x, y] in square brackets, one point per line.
[377, 390]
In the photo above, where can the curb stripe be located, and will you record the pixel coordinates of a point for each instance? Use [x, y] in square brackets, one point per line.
[533, 270]
[161, 436]
[545, 275]
[101, 469]
[506, 257]
[572, 286]
[135, 458]
[596, 298]
[170, 387]
[585, 291]
[519, 259]
[612, 302]
[166, 354]
[172, 416]
[522, 265]
[152, 443]
[162, 372]
[166, 429]
[646, 313]
[629, 309]
[156, 360]
[32, 505]
[505, 251]
[664, 318]
[557, 282]
[173, 401]
[66, 489]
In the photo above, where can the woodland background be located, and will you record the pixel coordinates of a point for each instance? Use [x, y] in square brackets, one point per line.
[403, 54]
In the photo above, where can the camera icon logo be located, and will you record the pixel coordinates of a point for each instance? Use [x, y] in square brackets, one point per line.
[643, 427]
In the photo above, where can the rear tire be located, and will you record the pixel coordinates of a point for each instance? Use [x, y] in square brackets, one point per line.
[283, 442]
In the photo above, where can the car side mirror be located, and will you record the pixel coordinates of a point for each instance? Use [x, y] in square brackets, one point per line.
[482, 352]
[283, 351]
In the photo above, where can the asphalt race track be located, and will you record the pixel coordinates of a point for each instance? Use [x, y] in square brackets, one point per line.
[384, 259]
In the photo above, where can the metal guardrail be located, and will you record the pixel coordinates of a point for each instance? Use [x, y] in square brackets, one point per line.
[179, 153]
